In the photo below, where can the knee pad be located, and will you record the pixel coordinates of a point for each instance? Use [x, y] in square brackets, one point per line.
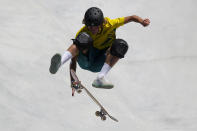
[119, 48]
[83, 41]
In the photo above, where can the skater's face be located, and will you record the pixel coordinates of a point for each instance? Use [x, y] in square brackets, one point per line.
[94, 29]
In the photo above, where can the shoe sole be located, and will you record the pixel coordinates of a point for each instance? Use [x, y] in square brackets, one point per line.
[55, 63]
[103, 87]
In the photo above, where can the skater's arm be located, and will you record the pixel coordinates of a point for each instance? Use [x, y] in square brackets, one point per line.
[137, 19]
[73, 65]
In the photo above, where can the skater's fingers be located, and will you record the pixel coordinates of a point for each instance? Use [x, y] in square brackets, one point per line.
[146, 22]
[77, 82]
[73, 91]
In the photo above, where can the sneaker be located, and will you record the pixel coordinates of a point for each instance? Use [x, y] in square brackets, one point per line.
[102, 83]
[55, 63]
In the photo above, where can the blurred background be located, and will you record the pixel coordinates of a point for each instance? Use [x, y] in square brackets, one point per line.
[155, 84]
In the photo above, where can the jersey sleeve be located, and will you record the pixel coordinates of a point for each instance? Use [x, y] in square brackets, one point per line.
[117, 22]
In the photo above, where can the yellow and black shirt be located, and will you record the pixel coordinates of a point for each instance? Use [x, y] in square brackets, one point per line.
[106, 35]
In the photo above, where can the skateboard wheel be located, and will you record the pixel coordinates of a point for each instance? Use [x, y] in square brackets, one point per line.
[103, 118]
[97, 113]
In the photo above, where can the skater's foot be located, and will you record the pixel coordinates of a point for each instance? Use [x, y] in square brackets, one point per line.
[55, 63]
[102, 83]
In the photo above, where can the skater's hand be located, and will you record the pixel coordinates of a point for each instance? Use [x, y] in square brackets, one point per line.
[73, 91]
[145, 22]
[75, 86]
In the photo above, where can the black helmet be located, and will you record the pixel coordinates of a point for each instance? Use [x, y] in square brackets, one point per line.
[83, 41]
[93, 17]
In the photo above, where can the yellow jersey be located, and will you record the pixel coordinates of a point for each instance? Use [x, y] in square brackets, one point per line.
[106, 34]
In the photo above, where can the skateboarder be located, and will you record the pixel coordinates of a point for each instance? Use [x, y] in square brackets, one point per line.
[95, 47]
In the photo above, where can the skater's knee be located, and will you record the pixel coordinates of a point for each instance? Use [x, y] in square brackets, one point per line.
[119, 48]
[83, 41]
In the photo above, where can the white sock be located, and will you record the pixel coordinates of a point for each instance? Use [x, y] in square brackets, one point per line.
[105, 69]
[65, 57]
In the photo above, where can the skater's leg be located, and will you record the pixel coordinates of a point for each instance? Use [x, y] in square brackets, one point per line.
[72, 51]
[117, 51]
[109, 63]
[58, 60]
